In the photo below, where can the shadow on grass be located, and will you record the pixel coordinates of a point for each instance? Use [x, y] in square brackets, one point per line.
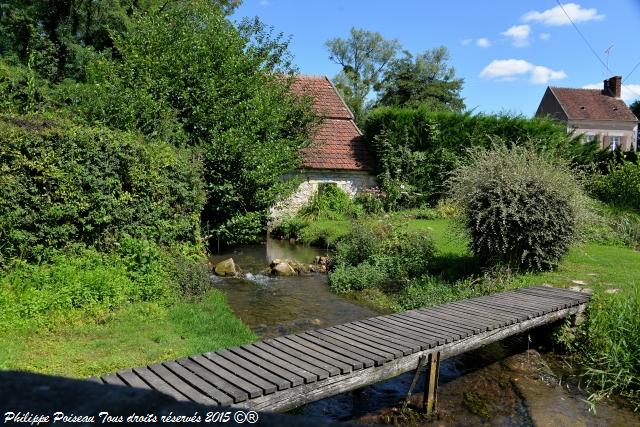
[453, 267]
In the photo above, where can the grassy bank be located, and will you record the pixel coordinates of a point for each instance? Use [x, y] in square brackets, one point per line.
[606, 345]
[136, 335]
[87, 313]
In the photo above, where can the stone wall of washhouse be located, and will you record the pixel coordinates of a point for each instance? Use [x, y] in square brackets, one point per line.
[351, 182]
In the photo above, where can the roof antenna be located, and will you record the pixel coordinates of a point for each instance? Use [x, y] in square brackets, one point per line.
[607, 52]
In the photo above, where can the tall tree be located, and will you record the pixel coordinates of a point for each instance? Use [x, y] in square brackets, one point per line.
[363, 57]
[55, 34]
[188, 75]
[427, 79]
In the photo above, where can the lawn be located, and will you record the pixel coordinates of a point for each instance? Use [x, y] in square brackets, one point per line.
[135, 335]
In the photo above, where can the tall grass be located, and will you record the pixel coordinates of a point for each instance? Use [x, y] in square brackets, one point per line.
[611, 345]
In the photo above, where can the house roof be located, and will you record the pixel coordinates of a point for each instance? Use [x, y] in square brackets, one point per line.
[337, 142]
[592, 104]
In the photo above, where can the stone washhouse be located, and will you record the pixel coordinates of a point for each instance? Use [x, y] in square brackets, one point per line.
[338, 153]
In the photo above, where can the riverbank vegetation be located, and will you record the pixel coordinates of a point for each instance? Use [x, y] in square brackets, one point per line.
[132, 137]
[501, 228]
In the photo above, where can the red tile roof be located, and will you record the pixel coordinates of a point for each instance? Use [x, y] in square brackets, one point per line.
[592, 104]
[337, 142]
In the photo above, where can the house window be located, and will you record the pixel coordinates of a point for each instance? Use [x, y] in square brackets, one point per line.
[615, 143]
[590, 137]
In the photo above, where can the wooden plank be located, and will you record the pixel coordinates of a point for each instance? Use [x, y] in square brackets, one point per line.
[475, 325]
[251, 389]
[113, 380]
[352, 334]
[354, 363]
[368, 359]
[180, 385]
[159, 384]
[236, 393]
[519, 316]
[581, 296]
[573, 299]
[133, 380]
[267, 386]
[349, 331]
[504, 308]
[451, 333]
[281, 383]
[451, 330]
[314, 355]
[436, 335]
[97, 380]
[334, 367]
[319, 372]
[308, 376]
[355, 345]
[198, 383]
[503, 319]
[465, 316]
[412, 344]
[294, 379]
[427, 341]
[536, 308]
[550, 302]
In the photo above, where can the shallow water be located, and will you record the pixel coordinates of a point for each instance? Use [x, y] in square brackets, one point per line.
[274, 306]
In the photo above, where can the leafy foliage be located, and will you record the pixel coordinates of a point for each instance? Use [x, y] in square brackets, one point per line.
[426, 80]
[416, 149]
[62, 183]
[330, 202]
[363, 57]
[621, 186]
[187, 73]
[59, 35]
[373, 255]
[514, 216]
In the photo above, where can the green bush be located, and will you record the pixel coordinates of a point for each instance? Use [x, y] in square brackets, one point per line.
[62, 183]
[521, 208]
[417, 148]
[330, 203]
[394, 253]
[620, 187]
[357, 278]
[371, 200]
[289, 227]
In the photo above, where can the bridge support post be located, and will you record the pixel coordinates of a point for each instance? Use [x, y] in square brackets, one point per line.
[421, 362]
[430, 399]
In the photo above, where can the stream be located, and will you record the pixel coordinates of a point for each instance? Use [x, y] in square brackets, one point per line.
[507, 383]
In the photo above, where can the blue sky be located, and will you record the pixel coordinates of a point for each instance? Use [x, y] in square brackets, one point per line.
[507, 51]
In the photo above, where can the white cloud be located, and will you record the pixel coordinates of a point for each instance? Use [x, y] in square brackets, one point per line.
[556, 16]
[545, 36]
[483, 42]
[541, 75]
[519, 35]
[509, 69]
[466, 41]
[629, 93]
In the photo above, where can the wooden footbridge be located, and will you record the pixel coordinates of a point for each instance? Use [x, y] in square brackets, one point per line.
[282, 373]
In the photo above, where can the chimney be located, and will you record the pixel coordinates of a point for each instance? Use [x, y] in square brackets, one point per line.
[613, 87]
